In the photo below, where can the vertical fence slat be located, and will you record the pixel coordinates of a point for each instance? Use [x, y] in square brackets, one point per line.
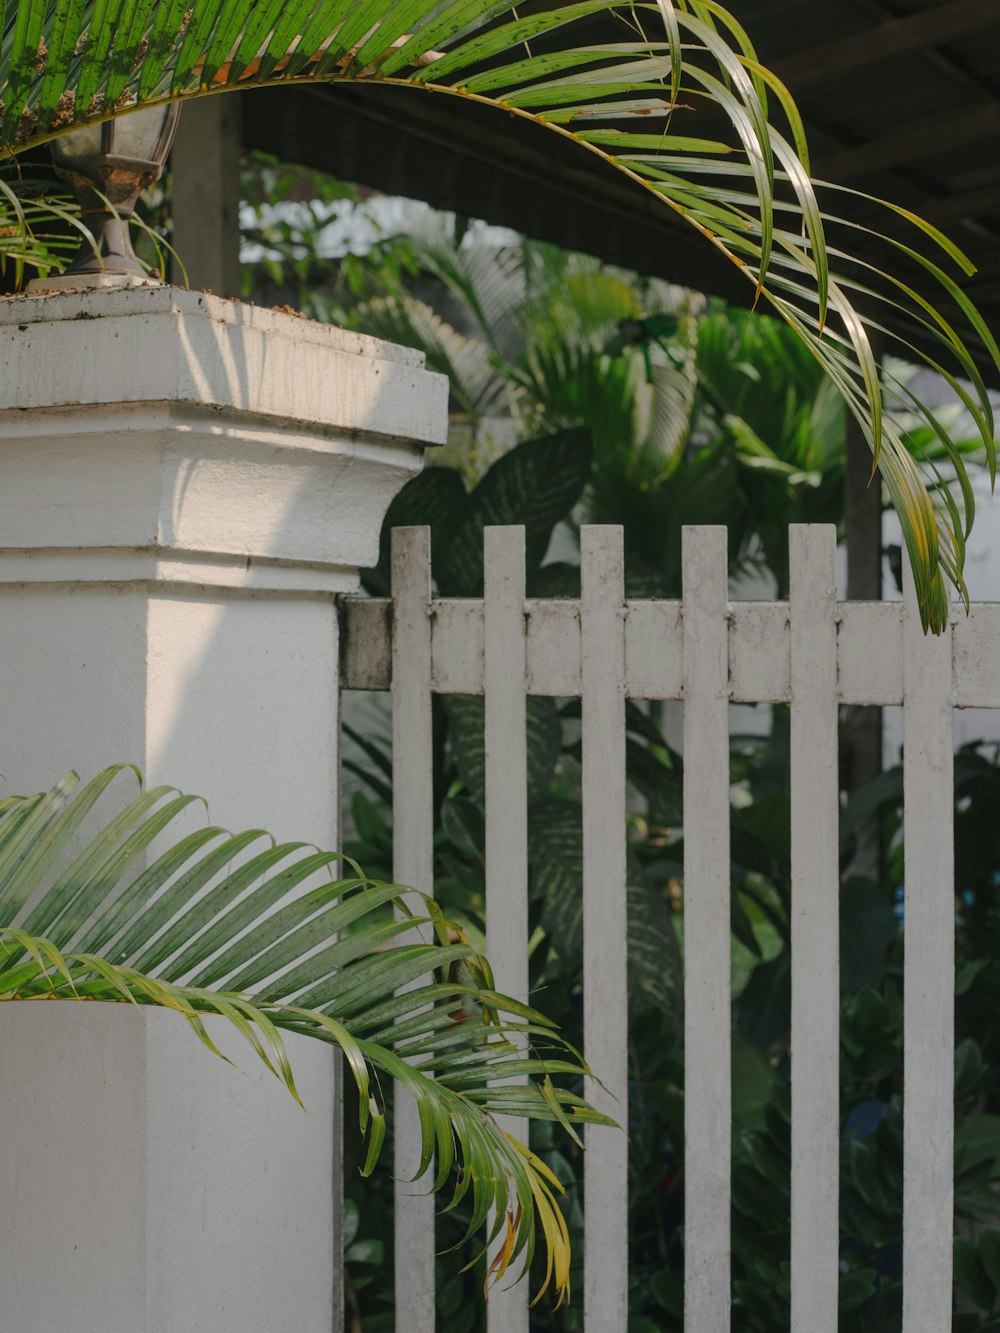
[413, 864]
[605, 988]
[928, 977]
[707, 988]
[504, 666]
[815, 931]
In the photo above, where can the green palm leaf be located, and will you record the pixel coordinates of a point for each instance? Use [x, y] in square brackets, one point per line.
[237, 927]
[28, 210]
[624, 100]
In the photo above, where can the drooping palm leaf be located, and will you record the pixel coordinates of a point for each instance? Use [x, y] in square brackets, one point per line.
[259, 933]
[30, 234]
[63, 62]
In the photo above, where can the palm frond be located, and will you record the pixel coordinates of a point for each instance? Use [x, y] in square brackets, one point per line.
[487, 282]
[260, 934]
[749, 194]
[40, 228]
[673, 382]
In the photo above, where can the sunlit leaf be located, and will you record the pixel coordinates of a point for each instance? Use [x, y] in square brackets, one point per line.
[270, 942]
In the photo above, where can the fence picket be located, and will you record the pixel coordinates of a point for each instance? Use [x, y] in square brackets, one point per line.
[605, 981]
[505, 739]
[815, 931]
[928, 978]
[707, 990]
[413, 864]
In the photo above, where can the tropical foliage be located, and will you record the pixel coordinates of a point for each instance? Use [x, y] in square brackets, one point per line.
[693, 412]
[258, 933]
[697, 412]
[37, 227]
[624, 99]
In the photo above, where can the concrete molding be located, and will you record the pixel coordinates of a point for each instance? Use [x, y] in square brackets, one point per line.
[175, 437]
[168, 344]
[125, 567]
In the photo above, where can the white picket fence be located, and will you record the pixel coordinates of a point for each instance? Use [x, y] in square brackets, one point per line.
[813, 652]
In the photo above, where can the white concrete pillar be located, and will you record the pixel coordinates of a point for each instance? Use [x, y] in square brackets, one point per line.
[186, 485]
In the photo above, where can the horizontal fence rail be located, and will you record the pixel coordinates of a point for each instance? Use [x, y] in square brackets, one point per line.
[812, 652]
[869, 641]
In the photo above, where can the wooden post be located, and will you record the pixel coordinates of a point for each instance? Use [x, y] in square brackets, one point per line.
[928, 975]
[505, 740]
[413, 865]
[205, 195]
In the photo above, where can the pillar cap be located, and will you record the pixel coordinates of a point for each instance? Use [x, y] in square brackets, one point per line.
[159, 434]
[147, 344]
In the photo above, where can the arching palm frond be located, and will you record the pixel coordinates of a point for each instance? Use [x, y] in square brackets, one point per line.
[623, 100]
[235, 925]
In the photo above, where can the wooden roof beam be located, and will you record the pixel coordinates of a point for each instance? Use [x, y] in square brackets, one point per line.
[986, 276]
[928, 28]
[913, 145]
[965, 204]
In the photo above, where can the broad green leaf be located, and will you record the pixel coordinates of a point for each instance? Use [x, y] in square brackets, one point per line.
[868, 927]
[555, 860]
[971, 1275]
[857, 1287]
[467, 738]
[989, 1253]
[655, 970]
[434, 498]
[536, 484]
